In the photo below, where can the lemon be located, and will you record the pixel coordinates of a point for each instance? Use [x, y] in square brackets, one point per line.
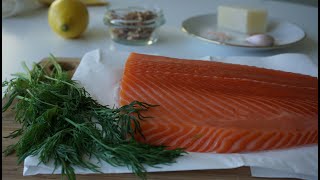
[68, 18]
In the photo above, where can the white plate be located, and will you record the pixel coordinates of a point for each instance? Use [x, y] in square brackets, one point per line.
[205, 28]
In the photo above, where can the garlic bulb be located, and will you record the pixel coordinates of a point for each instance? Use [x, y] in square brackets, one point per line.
[260, 40]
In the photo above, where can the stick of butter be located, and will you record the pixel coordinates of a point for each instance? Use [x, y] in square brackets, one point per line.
[242, 19]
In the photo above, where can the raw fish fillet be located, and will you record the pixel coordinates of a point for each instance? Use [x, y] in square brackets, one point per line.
[217, 107]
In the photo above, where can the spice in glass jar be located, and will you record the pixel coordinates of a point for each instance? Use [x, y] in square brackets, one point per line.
[134, 26]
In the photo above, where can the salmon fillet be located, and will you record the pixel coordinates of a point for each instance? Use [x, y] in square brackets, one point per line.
[218, 107]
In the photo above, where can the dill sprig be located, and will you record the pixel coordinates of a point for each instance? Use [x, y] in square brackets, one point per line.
[60, 121]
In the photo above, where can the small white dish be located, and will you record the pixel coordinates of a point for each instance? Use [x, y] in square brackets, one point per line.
[205, 28]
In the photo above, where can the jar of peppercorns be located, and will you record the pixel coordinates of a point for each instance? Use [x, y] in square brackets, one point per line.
[134, 25]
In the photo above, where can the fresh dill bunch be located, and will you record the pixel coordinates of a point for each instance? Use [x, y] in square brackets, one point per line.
[60, 121]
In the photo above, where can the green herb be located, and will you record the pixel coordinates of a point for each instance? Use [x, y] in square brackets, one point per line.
[60, 121]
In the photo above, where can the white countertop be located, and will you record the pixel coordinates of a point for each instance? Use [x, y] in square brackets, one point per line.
[27, 37]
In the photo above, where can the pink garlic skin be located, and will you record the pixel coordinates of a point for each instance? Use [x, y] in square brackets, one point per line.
[260, 40]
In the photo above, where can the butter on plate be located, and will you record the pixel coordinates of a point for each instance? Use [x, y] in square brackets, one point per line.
[242, 19]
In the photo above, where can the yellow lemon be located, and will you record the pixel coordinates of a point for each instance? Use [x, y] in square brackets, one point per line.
[68, 18]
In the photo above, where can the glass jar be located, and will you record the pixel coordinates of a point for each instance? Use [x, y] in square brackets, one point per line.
[134, 25]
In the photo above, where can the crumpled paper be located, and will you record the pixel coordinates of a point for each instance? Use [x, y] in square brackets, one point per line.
[100, 73]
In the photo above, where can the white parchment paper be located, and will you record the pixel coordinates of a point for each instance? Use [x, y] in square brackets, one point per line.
[100, 72]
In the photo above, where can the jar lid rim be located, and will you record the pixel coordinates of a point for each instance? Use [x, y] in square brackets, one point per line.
[123, 11]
